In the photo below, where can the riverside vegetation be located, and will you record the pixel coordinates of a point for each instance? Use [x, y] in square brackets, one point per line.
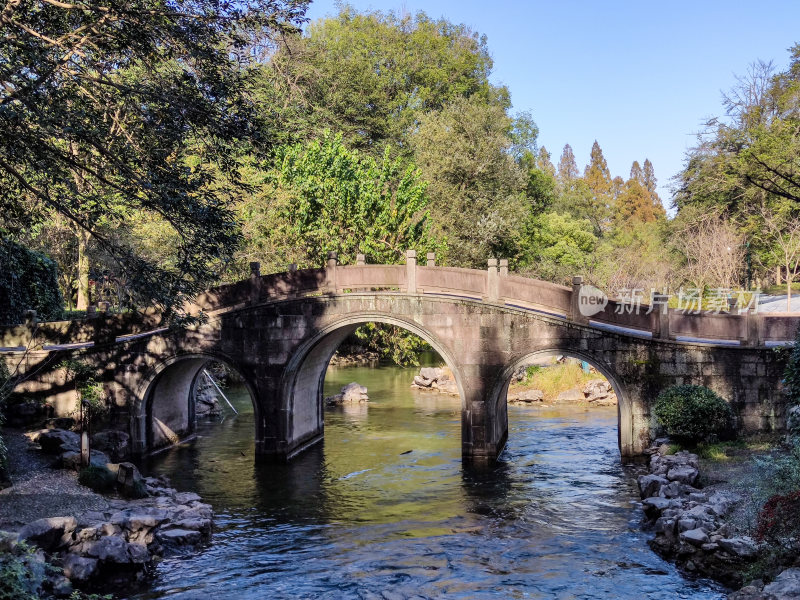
[334, 136]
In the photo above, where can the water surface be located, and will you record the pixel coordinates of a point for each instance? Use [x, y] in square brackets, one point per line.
[384, 509]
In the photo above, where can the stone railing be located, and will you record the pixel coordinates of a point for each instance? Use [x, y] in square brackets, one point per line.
[494, 285]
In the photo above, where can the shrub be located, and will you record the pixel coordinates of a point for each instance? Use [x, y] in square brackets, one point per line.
[692, 412]
[779, 520]
[100, 479]
[28, 280]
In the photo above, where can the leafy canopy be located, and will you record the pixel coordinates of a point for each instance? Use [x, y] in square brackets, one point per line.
[101, 104]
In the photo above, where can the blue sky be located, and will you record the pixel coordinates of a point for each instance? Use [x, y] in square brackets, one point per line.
[639, 77]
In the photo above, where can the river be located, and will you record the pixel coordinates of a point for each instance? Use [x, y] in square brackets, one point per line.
[384, 509]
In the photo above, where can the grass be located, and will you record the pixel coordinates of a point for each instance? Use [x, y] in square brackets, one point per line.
[555, 379]
[723, 451]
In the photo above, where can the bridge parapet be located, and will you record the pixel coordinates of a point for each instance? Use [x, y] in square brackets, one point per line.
[494, 285]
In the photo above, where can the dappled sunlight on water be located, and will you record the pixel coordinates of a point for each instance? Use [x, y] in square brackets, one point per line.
[360, 514]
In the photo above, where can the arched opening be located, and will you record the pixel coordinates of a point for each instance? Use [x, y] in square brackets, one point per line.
[168, 413]
[582, 388]
[304, 383]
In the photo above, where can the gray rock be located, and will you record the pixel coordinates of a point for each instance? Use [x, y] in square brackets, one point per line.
[114, 549]
[696, 537]
[116, 444]
[79, 568]
[570, 396]
[654, 506]
[531, 396]
[180, 537]
[650, 485]
[431, 373]
[49, 534]
[674, 489]
[56, 441]
[786, 585]
[684, 474]
[72, 459]
[422, 382]
[62, 587]
[742, 546]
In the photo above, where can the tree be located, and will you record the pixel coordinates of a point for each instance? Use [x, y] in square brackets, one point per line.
[598, 180]
[636, 172]
[476, 187]
[711, 247]
[567, 167]
[371, 76]
[28, 281]
[101, 109]
[322, 197]
[558, 246]
[782, 236]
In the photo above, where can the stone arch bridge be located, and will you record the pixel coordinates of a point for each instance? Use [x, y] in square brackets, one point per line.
[280, 331]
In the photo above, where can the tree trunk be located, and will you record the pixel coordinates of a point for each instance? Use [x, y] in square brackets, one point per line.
[83, 270]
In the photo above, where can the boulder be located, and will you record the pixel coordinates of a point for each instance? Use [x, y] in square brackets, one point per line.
[56, 441]
[113, 549]
[531, 396]
[180, 537]
[786, 585]
[431, 373]
[49, 534]
[696, 537]
[742, 546]
[422, 382]
[683, 474]
[72, 459]
[570, 396]
[79, 568]
[650, 485]
[598, 389]
[116, 444]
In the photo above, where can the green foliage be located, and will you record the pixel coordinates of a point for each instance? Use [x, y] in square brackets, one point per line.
[90, 391]
[558, 246]
[371, 75]
[476, 187]
[20, 574]
[28, 281]
[393, 343]
[692, 412]
[98, 478]
[137, 108]
[325, 198]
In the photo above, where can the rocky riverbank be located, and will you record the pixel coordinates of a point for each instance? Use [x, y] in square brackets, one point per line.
[595, 392]
[693, 527]
[83, 538]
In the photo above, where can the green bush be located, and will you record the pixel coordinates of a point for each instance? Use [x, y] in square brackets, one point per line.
[791, 375]
[28, 280]
[100, 479]
[692, 412]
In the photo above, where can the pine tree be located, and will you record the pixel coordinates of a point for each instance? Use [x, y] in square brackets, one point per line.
[567, 167]
[636, 172]
[598, 180]
[544, 163]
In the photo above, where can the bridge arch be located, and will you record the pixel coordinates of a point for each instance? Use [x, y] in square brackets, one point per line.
[302, 385]
[624, 404]
[162, 411]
